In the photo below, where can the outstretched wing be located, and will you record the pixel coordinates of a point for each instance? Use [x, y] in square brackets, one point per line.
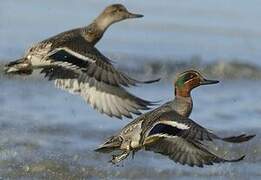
[111, 100]
[86, 57]
[194, 130]
[185, 152]
[79, 68]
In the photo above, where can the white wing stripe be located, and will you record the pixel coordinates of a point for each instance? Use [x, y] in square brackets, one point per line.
[78, 55]
[174, 124]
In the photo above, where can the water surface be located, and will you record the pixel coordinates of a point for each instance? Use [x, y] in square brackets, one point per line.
[49, 134]
[210, 29]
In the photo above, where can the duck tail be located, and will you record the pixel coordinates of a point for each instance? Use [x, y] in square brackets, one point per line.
[20, 66]
[110, 145]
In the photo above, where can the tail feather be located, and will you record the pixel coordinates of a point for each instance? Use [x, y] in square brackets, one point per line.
[112, 144]
[20, 66]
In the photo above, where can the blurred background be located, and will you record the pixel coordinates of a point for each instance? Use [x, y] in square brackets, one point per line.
[48, 133]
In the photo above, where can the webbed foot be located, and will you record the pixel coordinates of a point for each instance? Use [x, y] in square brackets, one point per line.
[117, 158]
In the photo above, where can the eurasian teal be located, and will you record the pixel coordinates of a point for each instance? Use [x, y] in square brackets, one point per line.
[71, 59]
[183, 86]
[167, 130]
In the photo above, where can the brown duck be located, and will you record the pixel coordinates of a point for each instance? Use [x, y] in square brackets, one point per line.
[71, 59]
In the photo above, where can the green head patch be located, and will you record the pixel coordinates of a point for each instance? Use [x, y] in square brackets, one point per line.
[184, 77]
[180, 81]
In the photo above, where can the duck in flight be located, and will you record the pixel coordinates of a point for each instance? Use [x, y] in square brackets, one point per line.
[169, 131]
[72, 61]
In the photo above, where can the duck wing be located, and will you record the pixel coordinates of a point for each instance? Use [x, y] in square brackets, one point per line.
[171, 122]
[113, 101]
[185, 152]
[79, 53]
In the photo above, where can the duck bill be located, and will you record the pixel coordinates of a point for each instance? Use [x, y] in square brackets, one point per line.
[207, 82]
[131, 15]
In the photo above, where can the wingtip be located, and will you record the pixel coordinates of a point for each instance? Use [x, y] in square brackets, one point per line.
[150, 81]
[252, 136]
[239, 139]
[147, 103]
[155, 103]
[238, 159]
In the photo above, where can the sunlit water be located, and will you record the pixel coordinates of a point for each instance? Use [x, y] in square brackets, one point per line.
[47, 133]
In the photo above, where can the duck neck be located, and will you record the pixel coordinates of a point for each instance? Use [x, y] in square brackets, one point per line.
[183, 103]
[94, 32]
[182, 91]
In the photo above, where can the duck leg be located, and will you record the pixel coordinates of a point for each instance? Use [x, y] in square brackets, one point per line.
[117, 158]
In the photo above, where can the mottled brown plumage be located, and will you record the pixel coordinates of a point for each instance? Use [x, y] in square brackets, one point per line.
[71, 59]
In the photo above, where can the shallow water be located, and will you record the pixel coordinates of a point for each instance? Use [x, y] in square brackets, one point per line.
[48, 133]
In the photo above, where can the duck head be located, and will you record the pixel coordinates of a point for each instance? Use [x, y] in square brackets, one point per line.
[114, 13]
[189, 80]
